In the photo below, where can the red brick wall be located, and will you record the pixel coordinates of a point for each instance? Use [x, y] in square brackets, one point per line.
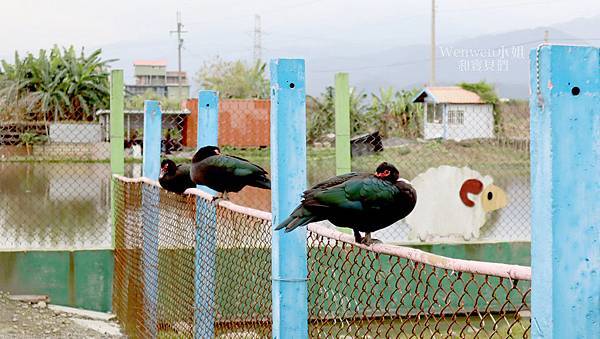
[190, 124]
[242, 122]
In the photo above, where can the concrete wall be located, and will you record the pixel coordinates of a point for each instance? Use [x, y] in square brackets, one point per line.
[84, 278]
[478, 122]
[149, 70]
[173, 92]
[83, 151]
[80, 279]
[75, 133]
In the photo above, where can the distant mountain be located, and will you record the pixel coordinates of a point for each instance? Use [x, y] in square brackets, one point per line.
[502, 59]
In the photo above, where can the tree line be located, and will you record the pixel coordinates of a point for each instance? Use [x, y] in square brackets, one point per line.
[389, 111]
[65, 84]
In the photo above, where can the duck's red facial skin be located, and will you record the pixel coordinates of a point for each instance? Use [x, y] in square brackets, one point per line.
[164, 170]
[472, 186]
[384, 174]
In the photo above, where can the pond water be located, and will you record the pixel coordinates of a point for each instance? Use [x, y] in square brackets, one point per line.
[55, 205]
[67, 205]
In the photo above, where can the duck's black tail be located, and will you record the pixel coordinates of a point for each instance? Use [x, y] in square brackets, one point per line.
[300, 217]
[261, 182]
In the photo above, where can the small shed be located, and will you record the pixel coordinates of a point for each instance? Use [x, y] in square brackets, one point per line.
[134, 123]
[453, 113]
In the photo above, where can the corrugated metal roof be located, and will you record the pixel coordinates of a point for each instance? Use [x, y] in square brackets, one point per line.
[449, 95]
[139, 111]
[150, 63]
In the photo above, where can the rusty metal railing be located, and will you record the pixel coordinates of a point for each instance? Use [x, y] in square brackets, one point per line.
[354, 290]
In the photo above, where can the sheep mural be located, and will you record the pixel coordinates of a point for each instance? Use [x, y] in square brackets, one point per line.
[452, 203]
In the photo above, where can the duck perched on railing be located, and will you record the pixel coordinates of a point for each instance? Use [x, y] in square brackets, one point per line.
[175, 178]
[226, 173]
[365, 202]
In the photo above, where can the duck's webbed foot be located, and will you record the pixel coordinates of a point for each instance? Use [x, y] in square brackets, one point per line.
[367, 240]
[357, 236]
[220, 196]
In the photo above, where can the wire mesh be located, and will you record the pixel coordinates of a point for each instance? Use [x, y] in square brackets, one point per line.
[356, 292]
[212, 264]
[155, 254]
[492, 140]
[55, 185]
[127, 281]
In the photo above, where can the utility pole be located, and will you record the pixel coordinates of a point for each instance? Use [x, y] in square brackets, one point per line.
[432, 80]
[179, 32]
[257, 38]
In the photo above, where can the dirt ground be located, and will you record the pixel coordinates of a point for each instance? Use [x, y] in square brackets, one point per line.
[22, 320]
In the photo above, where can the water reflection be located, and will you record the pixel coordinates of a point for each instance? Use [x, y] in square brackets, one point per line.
[67, 205]
[55, 205]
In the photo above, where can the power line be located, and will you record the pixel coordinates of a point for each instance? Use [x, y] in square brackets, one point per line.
[432, 81]
[395, 64]
[179, 32]
[257, 39]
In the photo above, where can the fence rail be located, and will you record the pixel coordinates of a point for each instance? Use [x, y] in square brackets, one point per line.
[354, 290]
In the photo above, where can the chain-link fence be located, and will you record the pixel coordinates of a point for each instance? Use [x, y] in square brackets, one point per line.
[159, 291]
[55, 182]
[431, 141]
[398, 292]
[55, 185]
[183, 262]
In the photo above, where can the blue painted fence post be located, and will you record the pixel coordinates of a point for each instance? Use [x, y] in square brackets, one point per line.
[288, 177]
[206, 225]
[150, 207]
[565, 189]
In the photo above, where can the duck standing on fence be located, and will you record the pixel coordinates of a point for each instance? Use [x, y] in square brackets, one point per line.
[364, 202]
[175, 178]
[226, 173]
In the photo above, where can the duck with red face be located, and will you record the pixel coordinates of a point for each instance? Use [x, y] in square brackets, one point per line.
[364, 202]
[175, 178]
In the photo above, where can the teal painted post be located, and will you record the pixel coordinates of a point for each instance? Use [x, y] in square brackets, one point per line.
[117, 142]
[152, 139]
[343, 160]
[288, 177]
[565, 164]
[150, 208]
[206, 225]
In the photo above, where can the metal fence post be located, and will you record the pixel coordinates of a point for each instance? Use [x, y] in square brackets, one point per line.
[288, 177]
[342, 124]
[150, 198]
[565, 163]
[117, 152]
[206, 225]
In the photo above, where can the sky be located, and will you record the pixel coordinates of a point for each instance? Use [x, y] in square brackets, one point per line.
[289, 28]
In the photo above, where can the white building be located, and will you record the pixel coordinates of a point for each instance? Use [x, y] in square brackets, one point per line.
[456, 114]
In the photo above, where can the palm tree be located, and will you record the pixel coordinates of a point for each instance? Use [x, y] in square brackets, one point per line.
[396, 113]
[61, 83]
[409, 113]
[384, 107]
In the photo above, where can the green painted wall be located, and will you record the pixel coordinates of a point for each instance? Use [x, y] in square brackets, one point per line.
[235, 267]
[84, 278]
[80, 279]
[515, 253]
